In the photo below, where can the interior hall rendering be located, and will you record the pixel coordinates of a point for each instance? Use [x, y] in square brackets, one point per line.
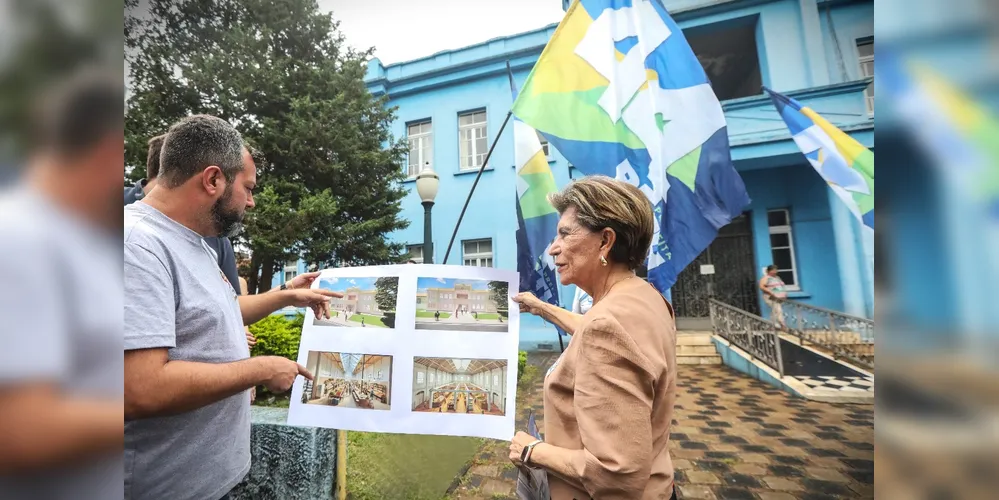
[449, 385]
[349, 380]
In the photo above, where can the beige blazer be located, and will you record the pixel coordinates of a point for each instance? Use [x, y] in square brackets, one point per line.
[609, 398]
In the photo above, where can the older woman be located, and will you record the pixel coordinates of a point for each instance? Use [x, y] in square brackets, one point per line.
[609, 398]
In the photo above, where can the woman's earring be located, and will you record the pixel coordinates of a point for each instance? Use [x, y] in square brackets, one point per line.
[603, 261]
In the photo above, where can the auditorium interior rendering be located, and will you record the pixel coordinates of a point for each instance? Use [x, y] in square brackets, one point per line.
[349, 380]
[450, 385]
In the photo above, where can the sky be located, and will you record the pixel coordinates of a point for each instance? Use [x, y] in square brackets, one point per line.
[402, 30]
[341, 284]
[423, 283]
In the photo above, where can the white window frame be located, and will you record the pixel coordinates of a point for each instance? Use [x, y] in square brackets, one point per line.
[413, 249]
[546, 147]
[478, 258]
[290, 270]
[472, 130]
[424, 139]
[862, 60]
[785, 229]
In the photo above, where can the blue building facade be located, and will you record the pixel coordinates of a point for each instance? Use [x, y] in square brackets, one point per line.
[452, 104]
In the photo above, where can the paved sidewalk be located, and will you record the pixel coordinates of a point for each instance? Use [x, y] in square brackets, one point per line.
[732, 438]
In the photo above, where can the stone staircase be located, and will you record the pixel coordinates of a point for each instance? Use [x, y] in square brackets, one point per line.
[696, 348]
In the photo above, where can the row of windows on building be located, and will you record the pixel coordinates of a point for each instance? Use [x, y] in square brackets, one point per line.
[448, 306]
[473, 143]
[479, 253]
[476, 253]
[476, 379]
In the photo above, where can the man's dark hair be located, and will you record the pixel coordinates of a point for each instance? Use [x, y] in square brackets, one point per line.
[197, 142]
[153, 157]
[771, 267]
[76, 115]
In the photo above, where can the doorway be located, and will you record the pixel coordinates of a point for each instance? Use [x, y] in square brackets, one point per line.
[733, 281]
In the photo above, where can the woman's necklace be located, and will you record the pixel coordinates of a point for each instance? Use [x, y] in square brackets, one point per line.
[616, 283]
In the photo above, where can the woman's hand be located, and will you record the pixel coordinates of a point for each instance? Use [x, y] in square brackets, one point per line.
[518, 443]
[529, 303]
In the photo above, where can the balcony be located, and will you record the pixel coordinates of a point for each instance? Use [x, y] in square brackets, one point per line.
[756, 130]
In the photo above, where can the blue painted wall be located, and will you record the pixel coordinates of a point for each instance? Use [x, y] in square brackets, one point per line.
[799, 189]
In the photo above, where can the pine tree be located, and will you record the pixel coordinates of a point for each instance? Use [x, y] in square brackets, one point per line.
[282, 73]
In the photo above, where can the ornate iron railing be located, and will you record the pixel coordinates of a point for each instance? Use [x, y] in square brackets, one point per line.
[842, 335]
[749, 332]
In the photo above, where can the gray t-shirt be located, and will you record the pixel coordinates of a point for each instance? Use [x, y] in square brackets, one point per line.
[60, 321]
[177, 297]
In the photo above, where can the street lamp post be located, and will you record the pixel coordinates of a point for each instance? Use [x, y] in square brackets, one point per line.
[427, 183]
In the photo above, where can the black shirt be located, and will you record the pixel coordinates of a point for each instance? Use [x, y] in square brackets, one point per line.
[222, 246]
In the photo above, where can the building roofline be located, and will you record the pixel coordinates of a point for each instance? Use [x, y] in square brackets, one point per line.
[475, 45]
[521, 49]
[456, 68]
[713, 7]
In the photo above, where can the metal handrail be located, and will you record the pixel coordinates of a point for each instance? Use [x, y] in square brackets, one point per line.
[749, 332]
[844, 336]
[829, 311]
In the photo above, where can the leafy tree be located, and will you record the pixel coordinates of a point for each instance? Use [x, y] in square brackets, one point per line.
[387, 292]
[283, 74]
[499, 293]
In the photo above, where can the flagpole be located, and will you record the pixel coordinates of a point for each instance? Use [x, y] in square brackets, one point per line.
[482, 168]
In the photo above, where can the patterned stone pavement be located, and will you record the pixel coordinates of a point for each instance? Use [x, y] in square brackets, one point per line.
[732, 438]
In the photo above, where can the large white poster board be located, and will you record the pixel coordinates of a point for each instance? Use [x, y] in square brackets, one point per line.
[444, 363]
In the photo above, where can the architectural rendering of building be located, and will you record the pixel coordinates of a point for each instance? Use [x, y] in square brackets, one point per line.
[460, 298]
[356, 300]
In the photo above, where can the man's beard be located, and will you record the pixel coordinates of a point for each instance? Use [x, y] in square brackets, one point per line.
[228, 222]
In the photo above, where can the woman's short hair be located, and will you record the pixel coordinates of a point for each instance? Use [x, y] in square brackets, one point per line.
[602, 202]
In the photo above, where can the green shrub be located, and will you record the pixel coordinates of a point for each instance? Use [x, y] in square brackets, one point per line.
[277, 336]
[521, 363]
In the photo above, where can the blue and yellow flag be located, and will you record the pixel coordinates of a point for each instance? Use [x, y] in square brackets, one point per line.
[619, 92]
[536, 219]
[845, 164]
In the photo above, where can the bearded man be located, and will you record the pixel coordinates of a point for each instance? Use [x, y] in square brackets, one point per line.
[188, 369]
